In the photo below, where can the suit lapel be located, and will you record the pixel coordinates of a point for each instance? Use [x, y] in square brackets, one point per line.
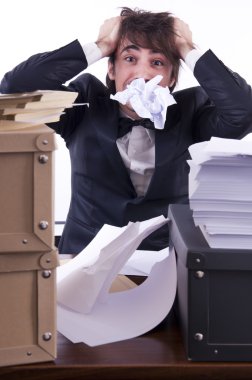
[165, 143]
[106, 114]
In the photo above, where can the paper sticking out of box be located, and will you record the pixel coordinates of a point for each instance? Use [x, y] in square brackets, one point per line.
[88, 312]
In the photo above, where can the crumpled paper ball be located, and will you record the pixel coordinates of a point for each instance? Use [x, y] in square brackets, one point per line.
[148, 99]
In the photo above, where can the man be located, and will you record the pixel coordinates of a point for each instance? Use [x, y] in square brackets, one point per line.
[117, 179]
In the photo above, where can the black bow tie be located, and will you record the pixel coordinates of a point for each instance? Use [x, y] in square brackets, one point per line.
[126, 124]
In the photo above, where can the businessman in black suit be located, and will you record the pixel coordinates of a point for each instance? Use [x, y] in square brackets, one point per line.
[117, 179]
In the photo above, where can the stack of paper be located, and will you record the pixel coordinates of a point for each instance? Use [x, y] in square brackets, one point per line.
[29, 109]
[220, 191]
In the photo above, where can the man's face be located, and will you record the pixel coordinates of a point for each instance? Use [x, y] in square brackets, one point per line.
[132, 62]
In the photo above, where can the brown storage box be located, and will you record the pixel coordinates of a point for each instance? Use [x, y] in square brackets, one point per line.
[26, 196]
[27, 255]
[27, 318]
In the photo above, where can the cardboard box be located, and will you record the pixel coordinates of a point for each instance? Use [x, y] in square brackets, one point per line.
[28, 299]
[26, 196]
[214, 293]
[28, 257]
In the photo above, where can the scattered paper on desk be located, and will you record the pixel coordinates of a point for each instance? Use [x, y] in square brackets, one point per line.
[88, 313]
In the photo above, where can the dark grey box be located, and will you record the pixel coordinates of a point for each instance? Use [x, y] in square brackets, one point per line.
[214, 293]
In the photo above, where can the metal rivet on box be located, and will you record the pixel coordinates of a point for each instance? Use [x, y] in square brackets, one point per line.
[43, 224]
[198, 337]
[47, 336]
[45, 142]
[199, 274]
[46, 273]
[29, 353]
[24, 241]
[43, 158]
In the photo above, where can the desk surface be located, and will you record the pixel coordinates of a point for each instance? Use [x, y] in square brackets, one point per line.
[158, 354]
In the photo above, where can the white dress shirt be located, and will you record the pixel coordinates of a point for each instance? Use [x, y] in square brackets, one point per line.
[137, 148]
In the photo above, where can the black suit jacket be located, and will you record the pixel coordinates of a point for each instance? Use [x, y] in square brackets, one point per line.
[102, 191]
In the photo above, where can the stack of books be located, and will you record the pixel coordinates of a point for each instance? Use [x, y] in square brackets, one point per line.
[220, 191]
[29, 109]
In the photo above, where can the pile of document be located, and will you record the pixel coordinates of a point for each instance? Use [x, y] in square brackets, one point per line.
[220, 191]
[22, 110]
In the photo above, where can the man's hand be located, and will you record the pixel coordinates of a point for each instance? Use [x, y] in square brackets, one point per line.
[108, 36]
[183, 37]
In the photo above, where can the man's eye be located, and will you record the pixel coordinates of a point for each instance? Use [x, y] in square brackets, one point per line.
[157, 62]
[129, 59]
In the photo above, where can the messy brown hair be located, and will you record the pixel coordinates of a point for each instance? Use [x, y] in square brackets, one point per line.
[148, 30]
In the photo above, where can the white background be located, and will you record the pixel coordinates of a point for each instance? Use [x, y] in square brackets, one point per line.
[31, 26]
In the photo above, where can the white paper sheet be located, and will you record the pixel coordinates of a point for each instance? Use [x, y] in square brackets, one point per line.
[220, 147]
[141, 262]
[88, 313]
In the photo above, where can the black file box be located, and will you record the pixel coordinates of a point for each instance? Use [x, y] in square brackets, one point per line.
[214, 293]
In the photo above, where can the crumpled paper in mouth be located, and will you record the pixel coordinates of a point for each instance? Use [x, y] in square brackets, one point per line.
[148, 99]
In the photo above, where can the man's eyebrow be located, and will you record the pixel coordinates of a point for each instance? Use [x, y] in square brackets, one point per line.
[137, 48]
[130, 47]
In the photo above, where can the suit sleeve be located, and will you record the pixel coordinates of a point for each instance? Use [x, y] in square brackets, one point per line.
[227, 111]
[46, 71]
[49, 71]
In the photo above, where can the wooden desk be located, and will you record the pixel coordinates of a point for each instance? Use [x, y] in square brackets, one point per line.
[158, 354]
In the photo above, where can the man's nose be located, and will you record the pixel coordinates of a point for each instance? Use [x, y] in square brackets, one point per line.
[144, 72]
